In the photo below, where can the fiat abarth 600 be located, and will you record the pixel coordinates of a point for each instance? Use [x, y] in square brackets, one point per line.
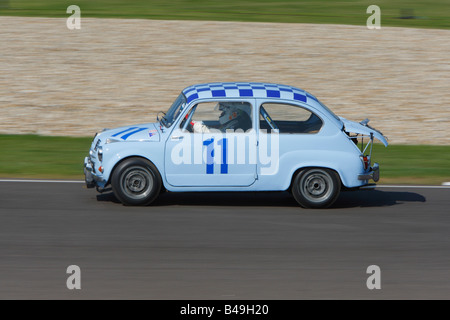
[239, 136]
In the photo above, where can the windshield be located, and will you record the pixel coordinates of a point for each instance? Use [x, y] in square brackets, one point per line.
[172, 114]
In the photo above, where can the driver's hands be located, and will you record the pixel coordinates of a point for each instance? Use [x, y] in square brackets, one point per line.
[199, 127]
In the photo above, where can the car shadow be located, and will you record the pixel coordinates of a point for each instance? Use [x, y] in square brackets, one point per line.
[107, 196]
[347, 199]
[375, 198]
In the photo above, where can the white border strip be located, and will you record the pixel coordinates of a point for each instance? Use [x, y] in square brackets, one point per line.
[42, 181]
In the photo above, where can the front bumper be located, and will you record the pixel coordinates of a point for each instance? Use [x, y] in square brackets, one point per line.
[373, 174]
[88, 176]
[92, 180]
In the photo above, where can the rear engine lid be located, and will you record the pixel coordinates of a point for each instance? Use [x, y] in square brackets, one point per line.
[364, 129]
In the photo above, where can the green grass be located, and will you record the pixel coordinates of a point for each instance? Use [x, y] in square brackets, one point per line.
[31, 156]
[422, 164]
[428, 14]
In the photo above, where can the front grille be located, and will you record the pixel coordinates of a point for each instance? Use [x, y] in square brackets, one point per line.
[96, 145]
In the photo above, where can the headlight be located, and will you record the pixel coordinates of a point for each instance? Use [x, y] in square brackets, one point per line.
[100, 154]
[110, 140]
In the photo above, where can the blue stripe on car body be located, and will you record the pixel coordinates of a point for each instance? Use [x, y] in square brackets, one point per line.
[126, 130]
[125, 136]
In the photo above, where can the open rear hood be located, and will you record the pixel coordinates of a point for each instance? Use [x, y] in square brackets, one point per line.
[363, 128]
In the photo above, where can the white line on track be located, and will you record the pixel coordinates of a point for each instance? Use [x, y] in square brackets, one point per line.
[42, 181]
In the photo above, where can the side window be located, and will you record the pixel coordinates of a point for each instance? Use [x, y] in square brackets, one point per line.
[220, 115]
[288, 119]
[206, 112]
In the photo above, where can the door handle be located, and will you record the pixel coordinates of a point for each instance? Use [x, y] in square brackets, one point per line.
[173, 138]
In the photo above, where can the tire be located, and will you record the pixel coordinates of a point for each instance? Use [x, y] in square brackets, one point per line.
[316, 187]
[136, 182]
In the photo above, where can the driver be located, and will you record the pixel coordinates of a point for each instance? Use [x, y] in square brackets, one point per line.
[231, 118]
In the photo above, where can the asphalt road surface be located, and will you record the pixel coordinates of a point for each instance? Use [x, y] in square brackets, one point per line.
[222, 246]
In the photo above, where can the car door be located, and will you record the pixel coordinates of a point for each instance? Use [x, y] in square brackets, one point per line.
[210, 156]
[289, 135]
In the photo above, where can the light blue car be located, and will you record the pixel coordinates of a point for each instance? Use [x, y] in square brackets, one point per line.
[238, 136]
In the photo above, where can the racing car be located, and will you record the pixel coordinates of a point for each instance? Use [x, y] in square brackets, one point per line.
[236, 136]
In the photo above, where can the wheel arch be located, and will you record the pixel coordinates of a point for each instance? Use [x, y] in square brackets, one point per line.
[130, 157]
[294, 174]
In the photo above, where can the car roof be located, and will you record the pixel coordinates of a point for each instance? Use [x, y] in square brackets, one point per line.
[246, 90]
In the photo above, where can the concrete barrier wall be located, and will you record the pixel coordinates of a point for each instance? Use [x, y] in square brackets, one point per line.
[55, 81]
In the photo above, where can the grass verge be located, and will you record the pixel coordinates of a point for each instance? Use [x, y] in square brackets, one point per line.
[400, 13]
[32, 156]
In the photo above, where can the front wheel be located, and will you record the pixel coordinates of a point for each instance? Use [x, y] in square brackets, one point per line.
[136, 182]
[316, 187]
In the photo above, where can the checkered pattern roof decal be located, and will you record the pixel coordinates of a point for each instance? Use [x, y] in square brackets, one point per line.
[245, 89]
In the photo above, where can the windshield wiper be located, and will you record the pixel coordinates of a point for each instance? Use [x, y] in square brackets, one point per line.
[163, 120]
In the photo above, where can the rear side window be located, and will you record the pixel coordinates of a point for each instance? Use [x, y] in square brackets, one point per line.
[288, 119]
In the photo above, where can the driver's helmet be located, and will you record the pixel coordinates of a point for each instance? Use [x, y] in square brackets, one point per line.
[229, 112]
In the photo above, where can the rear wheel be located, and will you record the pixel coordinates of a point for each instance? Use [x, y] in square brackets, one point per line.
[316, 187]
[136, 182]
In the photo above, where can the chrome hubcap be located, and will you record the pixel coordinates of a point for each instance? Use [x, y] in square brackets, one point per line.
[136, 182]
[316, 185]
